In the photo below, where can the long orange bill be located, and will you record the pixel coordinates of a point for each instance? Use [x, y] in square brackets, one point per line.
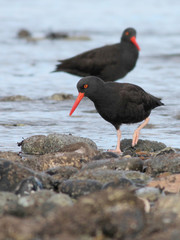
[133, 40]
[78, 99]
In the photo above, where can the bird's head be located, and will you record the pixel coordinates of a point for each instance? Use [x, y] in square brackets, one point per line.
[89, 87]
[129, 34]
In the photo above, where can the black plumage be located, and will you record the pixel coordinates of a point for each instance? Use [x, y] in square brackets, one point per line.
[110, 62]
[118, 103]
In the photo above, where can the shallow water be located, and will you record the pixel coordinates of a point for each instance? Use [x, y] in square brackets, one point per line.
[26, 66]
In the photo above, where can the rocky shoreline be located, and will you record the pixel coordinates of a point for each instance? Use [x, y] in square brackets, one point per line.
[63, 187]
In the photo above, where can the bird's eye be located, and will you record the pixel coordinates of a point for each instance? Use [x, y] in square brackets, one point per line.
[126, 33]
[85, 85]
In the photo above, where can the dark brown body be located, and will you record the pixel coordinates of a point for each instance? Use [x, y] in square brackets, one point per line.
[119, 103]
[109, 63]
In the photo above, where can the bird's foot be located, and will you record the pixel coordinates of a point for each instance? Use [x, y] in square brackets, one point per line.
[118, 151]
[135, 137]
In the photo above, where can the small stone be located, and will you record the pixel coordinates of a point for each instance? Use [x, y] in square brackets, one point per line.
[62, 172]
[17, 98]
[35, 204]
[60, 97]
[168, 205]
[177, 116]
[28, 186]
[10, 156]
[77, 188]
[127, 156]
[163, 163]
[118, 183]
[165, 151]
[56, 35]
[143, 145]
[24, 33]
[6, 199]
[107, 175]
[104, 155]
[149, 193]
[169, 184]
[116, 164]
[12, 174]
[60, 199]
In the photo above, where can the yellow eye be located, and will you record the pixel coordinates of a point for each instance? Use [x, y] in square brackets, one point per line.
[126, 33]
[85, 85]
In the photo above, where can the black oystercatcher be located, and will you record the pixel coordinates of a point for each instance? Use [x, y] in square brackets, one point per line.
[118, 103]
[110, 62]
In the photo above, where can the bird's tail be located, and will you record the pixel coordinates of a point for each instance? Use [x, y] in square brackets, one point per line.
[156, 102]
[58, 68]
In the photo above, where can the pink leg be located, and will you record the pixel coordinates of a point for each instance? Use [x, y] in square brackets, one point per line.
[137, 132]
[117, 150]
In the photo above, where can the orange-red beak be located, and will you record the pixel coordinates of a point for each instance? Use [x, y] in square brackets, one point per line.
[133, 40]
[78, 99]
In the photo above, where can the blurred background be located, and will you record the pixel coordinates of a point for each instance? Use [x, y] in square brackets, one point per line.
[27, 61]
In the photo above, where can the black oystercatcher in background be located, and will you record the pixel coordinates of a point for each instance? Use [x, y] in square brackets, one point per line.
[110, 62]
[118, 103]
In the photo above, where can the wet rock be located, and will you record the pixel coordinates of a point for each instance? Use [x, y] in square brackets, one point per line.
[24, 33]
[63, 35]
[101, 175]
[36, 198]
[118, 183]
[166, 150]
[109, 214]
[149, 193]
[13, 124]
[62, 173]
[10, 156]
[162, 232]
[56, 35]
[163, 163]
[77, 188]
[177, 116]
[60, 97]
[169, 184]
[17, 98]
[28, 186]
[163, 221]
[31, 205]
[142, 146]
[117, 164]
[139, 179]
[114, 213]
[60, 142]
[75, 155]
[39, 204]
[33, 145]
[41, 144]
[14, 228]
[105, 155]
[106, 176]
[6, 200]
[79, 38]
[12, 174]
[60, 199]
[168, 205]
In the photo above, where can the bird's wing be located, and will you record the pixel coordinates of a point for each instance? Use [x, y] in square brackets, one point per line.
[136, 95]
[95, 59]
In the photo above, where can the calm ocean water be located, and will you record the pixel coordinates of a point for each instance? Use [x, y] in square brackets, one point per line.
[26, 66]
